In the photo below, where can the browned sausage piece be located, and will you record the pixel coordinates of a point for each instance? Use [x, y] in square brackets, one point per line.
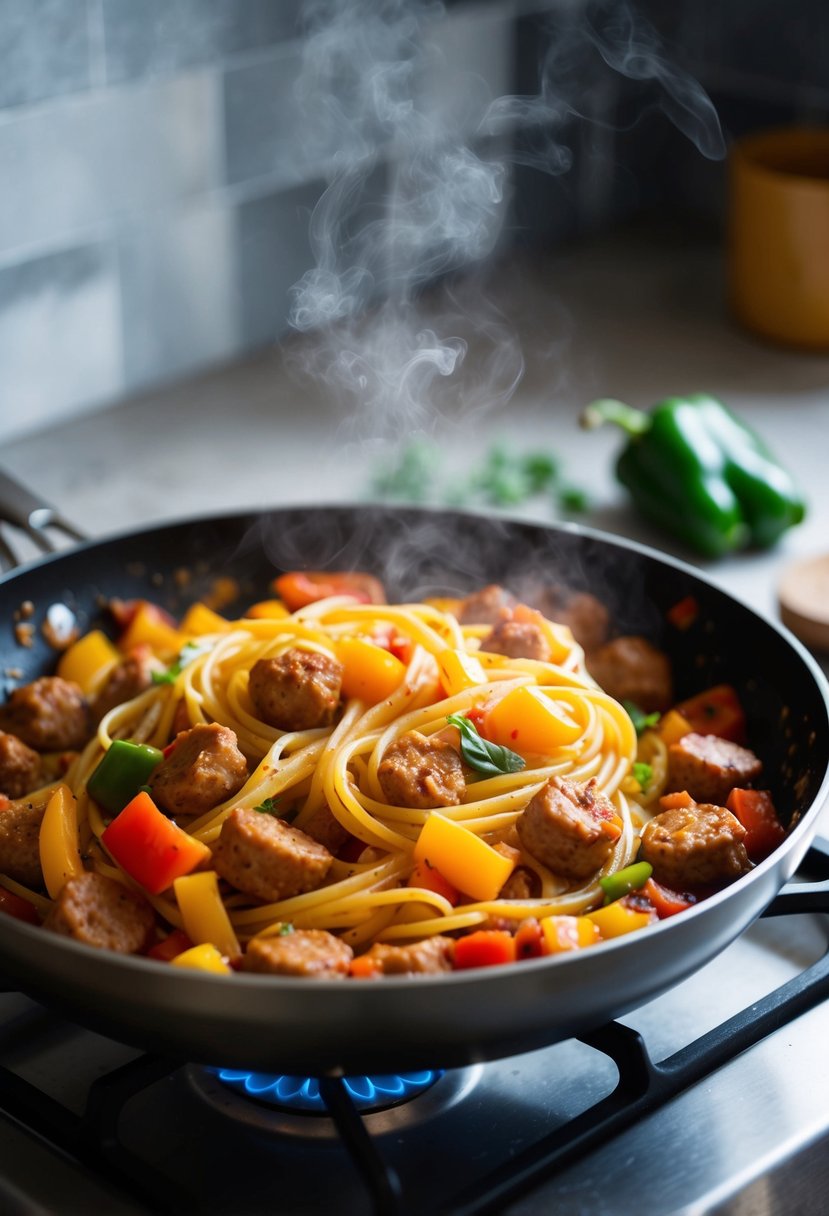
[326, 829]
[709, 767]
[523, 883]
[20, 842]
[298, 690]
[421, 772]
[485, 607]
[127, 679]
[20, 767]
[428, 957]
[631, 669]
[50, 715]
[586, 617]
[569, 828]
[204, 768]
[264, 857]
[102, 912]
[310, 953]
[517, 640]
[692, 846]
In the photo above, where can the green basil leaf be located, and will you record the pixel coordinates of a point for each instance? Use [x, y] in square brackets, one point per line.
[483, 756]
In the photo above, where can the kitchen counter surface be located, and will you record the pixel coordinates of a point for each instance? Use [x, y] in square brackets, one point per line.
[631, 316]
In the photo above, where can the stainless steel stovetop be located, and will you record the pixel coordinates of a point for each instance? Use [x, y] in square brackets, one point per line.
[90, 1126]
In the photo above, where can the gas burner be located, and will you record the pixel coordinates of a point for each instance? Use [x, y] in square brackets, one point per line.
[368, 1093]
[283, 1104]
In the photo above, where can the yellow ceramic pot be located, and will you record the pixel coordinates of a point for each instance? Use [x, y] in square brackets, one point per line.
[779, 235]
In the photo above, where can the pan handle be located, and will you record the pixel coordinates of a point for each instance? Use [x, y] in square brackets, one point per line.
[802, 895]
[25, 510]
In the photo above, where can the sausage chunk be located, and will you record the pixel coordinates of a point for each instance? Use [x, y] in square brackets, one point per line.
[99, 911]
[264, 857]
[569, 828]
[326, 829]
[50, 715]
[631, 669]
[20, 766]
[693, 846]
[20, 843]
[523, 883]
[586, 617]
[431, 956]
[204, 768]
[298, 690]
[485, 607]
[517, 640]
[311, 953]
[421, 772]
[709, 767]
[127, 679]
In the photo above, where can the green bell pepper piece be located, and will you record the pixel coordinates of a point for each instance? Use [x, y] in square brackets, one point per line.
[122, 770]
[694, 469]
[631, 878]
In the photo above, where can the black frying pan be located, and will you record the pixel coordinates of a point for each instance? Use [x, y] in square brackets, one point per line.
[446, 1021]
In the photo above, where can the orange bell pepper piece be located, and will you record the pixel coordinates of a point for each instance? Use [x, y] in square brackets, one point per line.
[484, 948]
[298, 588]
[716, 711]
[150, 847]
[370, 673]
[756, 812]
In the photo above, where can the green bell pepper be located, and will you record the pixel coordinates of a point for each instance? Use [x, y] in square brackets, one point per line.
[121, 772]
[631, 878]
[693, 468]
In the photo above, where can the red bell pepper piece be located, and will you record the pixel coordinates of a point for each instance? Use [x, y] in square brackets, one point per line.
[298, 588]
[150, 847]
[430, 878]
[19, 908]
[666, 901]
[716, 711]
[484, 948]
[174, 943]
[756, 812]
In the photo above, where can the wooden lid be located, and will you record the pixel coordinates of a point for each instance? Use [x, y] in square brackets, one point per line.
[803, 595]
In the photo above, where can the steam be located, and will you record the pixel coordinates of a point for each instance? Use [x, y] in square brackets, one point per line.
[413, 196]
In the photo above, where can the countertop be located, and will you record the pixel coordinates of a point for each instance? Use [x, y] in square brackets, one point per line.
[636, 316]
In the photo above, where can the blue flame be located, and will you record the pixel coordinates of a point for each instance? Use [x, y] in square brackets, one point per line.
[303, 1093]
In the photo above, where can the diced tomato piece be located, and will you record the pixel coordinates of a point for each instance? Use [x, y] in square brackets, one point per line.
[683, 614]
[529, 939]
[430, 878]
[756, 812]
[484, 948]
[298, 588]
[19, 908]
[716, 711]
[173, 944]
[664, 900]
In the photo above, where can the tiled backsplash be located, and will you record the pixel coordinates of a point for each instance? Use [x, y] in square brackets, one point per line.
[157, 173]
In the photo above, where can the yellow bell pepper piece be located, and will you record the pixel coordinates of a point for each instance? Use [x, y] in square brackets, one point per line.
[527, 720]
[459, 670]
[616, 919]
[673, 727]
[464, 860]
[60, 857]
[202, 958]
[563, 933]
[203, 913]
[199, 620]
[370, 673]
[87, 661]
[268, 610]
[149, 626]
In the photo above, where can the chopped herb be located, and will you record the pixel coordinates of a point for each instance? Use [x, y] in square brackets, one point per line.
[189, 652]
[641, 721]
[483, 756]
[285, 928]
[268, 807]
[643, 774]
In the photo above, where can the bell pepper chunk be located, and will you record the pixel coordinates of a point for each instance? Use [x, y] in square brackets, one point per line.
[530, 721]
[484, 948]
[631, 878]
[202, 958]
[665, 901]
[464, 860]
[205, 916]
[150, 847]
[175, 943]
[756, 811]
[370, 673]
[151, 626]
[616, 919]
[199, 620]
[87, 661]
[18, 907]
[267, 610]
[120, 773]
[563, 933]
[58, 842]
[429, 878]
[459, 670]
[716, 711]
[299, 588]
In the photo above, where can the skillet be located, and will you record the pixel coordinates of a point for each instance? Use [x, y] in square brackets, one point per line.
[320, 1027]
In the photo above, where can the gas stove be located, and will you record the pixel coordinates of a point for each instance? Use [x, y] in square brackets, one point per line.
[709, 1099]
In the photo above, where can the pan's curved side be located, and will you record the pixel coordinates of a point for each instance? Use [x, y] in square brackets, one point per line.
[410, 1023]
